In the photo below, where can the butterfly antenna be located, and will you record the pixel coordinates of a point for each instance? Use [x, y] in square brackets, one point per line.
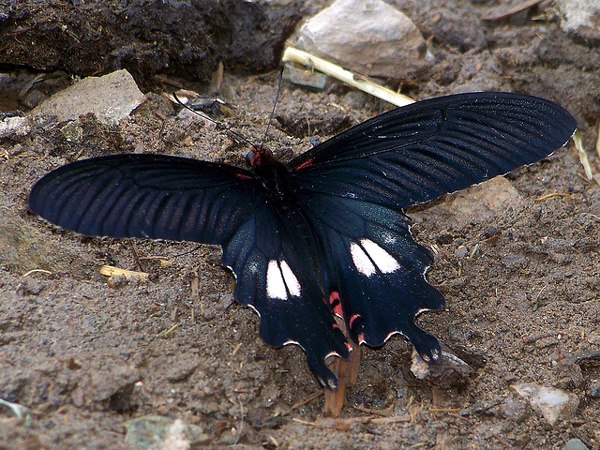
[274, 106]
[210, 119]
[187, 252]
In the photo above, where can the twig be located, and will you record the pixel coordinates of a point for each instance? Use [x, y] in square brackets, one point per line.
[598, 140]
[593, 216]
[237, 348]
[547, 196]
[347, 422]
[443, 410]
[111, 271]
[308, 399]
[241, 423]
[305, 422]
[585, 162]
[532, 339]
[36, 271]
[136, 256]
[170, 330]
[363, 83]
[383, 413]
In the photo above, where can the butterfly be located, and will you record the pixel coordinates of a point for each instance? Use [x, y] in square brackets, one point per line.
[324, 234]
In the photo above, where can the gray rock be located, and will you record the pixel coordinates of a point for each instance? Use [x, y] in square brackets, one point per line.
[447, 372]
[304, 77]
[110, 98]
[369, 37]
[594, 389]
[515, 410]
[575, 444]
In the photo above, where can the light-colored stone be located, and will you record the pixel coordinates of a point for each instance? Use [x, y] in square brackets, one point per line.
[579, 13]
[366, 36]
[14, 126]
[487, 199]
[553, 404]
[110, 98]
[163, 433]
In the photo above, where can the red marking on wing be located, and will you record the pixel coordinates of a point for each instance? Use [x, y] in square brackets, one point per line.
[306, 163]
[336, 304]
[352, 319]
[243, 176]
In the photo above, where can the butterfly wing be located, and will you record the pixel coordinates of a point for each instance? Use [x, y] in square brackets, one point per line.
[421, 151]
[274, 256]
[154, 196]
[375, 270]
[353, 186]
[149, 196]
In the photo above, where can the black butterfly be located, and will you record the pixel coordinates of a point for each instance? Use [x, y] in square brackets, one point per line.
[324, 234]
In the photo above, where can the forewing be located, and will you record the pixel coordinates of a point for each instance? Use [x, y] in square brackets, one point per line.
[149, 196]
[375, 270]
[421, 151]
[274, 257]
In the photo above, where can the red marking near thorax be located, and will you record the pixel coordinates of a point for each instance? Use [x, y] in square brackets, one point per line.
[306, 163]
[243, 176]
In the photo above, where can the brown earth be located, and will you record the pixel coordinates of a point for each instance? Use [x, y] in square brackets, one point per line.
[522, 306]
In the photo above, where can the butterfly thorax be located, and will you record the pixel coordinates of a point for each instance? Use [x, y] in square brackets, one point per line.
[272, 174]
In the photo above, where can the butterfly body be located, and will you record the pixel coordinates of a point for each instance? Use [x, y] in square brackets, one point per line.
[323, 235]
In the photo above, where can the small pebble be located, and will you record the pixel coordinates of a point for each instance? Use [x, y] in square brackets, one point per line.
[594, 389]
[461, 251]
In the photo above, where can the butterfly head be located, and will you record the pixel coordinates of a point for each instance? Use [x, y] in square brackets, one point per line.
[263, 163]
[259, 156]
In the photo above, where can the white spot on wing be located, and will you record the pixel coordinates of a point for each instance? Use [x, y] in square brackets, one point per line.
[290, 279]
[385, 262]
[361, 261]
[275, 284]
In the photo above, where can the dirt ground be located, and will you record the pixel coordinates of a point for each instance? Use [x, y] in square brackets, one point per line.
[521, 283]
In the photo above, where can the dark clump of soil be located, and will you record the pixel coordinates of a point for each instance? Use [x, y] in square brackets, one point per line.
[186, 39]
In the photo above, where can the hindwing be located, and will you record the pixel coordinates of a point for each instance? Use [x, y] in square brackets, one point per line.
[375, 270]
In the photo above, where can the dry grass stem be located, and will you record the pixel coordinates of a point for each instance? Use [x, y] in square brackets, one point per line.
[363, 83]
